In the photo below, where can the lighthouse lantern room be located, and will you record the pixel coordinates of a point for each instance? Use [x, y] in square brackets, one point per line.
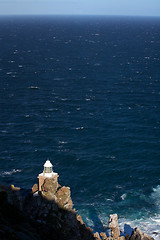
[47, 173]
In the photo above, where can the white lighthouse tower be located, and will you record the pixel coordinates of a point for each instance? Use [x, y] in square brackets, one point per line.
[47, 173]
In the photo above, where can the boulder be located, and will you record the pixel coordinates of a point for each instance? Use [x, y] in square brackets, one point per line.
[96, 236]
[137, 234]
[35, 188]
[79, 218]
[113, 225]
[103, 235]
[64, 198]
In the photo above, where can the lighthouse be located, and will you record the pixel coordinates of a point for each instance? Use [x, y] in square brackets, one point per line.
[47, 173]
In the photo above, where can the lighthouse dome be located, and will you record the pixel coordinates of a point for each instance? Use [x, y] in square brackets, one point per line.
[48, 164]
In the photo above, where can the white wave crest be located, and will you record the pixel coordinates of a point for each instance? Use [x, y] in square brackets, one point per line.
[123, 196]
[7, 173]
[79, 128]
[149, 225]
[62, 142]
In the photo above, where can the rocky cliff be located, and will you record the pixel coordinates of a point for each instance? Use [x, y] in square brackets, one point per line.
[49, 215]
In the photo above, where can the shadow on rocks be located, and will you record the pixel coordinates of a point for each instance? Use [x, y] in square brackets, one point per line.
[37, 218]
[98, 226]
[127, 229]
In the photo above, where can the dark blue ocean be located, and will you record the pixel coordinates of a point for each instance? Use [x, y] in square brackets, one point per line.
[84, 92]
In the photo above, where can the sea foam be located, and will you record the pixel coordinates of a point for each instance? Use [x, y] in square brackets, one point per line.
[150, 225]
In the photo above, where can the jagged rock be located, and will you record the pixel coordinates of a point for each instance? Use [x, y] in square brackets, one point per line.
[35, 188]
[96, 236]
[49, 185]
[79, 218]
[103, 235]
[137, 234]
[64, 197]
[113, 225]
[15, 188]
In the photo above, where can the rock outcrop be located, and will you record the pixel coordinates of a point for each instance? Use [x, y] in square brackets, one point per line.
[51, 190]
[137, 234]
[64, 198]
[113, 225]
[40, 215]
[103, 235]
[96, 236]
[49, 214]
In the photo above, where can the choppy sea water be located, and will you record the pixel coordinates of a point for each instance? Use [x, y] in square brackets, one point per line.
[85, 93]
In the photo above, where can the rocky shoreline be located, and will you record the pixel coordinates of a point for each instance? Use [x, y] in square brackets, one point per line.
[49, 214]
